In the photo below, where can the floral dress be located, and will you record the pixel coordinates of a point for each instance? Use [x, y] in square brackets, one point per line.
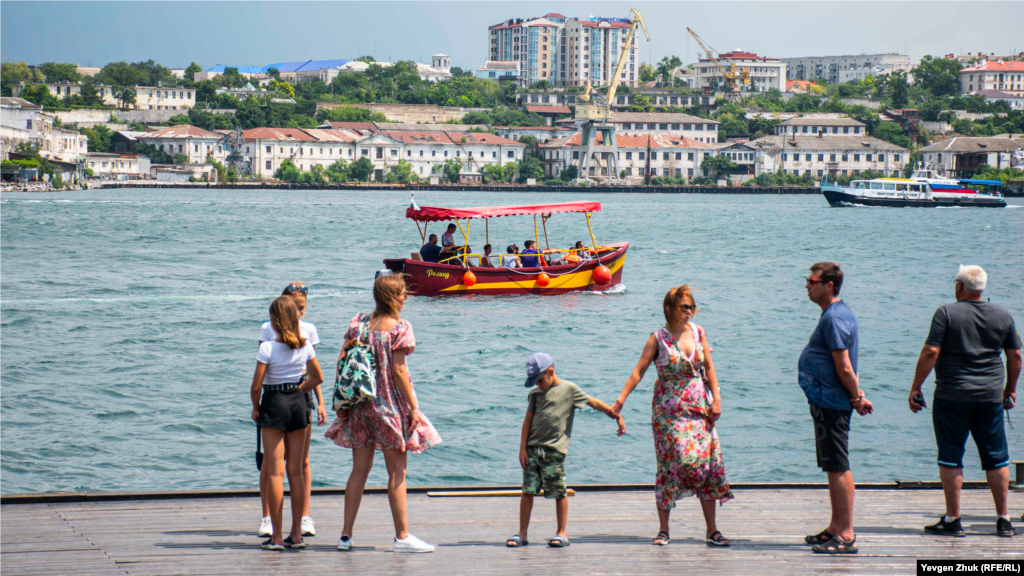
[384, 423]
[689, 456]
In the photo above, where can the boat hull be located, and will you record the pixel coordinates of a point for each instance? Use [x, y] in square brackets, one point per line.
[837, 199]
[429, 279]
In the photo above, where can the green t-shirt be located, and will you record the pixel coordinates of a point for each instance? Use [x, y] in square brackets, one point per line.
[553, 410]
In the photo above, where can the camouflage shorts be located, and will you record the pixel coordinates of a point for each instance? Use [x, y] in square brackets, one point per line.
[545, 468]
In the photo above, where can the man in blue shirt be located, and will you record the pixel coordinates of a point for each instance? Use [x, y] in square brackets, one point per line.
[431, 251]
[828, 376]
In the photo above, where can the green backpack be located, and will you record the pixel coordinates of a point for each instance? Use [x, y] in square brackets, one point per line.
[357, 377]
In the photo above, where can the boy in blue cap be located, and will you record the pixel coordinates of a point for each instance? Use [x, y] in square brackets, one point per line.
[545, 442]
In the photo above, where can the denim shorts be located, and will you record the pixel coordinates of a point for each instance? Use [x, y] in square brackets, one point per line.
[953, 420]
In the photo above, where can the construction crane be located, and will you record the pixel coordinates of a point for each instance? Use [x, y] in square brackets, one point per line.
[732, 91]
[593, 112]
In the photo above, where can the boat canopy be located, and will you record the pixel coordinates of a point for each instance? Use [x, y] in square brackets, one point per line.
[431, 214]
[982, 182]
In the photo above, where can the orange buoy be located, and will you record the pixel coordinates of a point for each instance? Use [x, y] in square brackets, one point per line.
[469, 278]
[602, 275]
[543, 280]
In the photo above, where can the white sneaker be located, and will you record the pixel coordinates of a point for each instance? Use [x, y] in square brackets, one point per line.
[308, 528]
[266, 527]
[412, 544]
[344, 543]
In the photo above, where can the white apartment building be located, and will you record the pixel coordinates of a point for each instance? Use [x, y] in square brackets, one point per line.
[833, 154]
[113, 166]
[844, 68]
[146, 97]
[23, 121]
[1002, 75]
[639, 155]
[699, 129]
[564, 51]
[993, 96]
[194, 142]
[960, 157]
[439, 70]
[422, 149]
[816, 125]
[765, 73]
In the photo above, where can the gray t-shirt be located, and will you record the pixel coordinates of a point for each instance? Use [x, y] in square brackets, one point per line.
[972, 335]
[553, 410]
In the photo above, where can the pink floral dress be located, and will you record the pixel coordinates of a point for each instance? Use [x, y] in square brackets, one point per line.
[689, 456]
[383, 424]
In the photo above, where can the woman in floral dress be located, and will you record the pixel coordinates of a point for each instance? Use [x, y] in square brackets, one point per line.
[685, 409]
[392, 423]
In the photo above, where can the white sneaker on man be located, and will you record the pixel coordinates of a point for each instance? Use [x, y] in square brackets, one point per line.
[344, 543]
[308, 528]
[412, 544]
[266, 527]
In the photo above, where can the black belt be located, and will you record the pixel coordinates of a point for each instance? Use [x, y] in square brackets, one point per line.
[287, 387]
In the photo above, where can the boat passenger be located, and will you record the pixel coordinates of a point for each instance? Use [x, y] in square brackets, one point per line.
[485, 260]
[430, 252]
[511, 261]
[448, 245]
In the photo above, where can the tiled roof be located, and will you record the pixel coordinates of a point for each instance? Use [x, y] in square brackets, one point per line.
[554, 15]
[276, 134]
[995, 66]
[647, 140]
[976, 144]
[591, 24]
[333, 135]
[182, 131]
[548, 109]
[995, 94]
[799, 84]
[827, 142]
[659, 117]
[540, 128]
[369, 126]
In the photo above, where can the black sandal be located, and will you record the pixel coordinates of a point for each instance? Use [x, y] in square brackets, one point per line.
[663, 536]
[721, 540]
[837, 546]
[820, 538]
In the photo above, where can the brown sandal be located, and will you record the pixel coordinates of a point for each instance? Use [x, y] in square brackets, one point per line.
[661, 539]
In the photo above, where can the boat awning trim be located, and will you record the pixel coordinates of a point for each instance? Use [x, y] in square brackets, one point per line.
[985, 182]
[432, 214]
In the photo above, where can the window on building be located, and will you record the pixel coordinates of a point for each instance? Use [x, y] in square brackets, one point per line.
[494, 154]
[689, 171]
[195, 148]
[679, 155]
[896, 157]
[664, 155]
[808, 158]
[640, 155]
[881, 157]
[821, 157]
[641, 171]
[511, 153]
[784, 157]
[831, 157]
[846, 157]
[654, 171]
[846, 129]
[856, 157]
[820, 173]
[445, 153]
[364, 151]
[689, 156]
[268, 164]
[268, 150]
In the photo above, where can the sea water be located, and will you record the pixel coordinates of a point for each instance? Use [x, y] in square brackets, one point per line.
[130, 320]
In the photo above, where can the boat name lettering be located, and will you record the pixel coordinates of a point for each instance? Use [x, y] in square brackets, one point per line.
[438, 274]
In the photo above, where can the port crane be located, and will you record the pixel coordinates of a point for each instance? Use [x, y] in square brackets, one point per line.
[593, 112]
[732, 91]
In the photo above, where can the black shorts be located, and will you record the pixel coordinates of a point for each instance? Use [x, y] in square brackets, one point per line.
[832, 437]
[953, 420]
[284, 411]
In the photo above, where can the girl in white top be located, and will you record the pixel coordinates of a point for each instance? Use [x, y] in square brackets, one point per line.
[279, 408]
[308, 331]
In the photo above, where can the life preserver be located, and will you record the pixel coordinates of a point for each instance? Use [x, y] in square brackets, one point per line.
[572, 258]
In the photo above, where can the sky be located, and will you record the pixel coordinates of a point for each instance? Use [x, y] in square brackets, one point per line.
[257, 33]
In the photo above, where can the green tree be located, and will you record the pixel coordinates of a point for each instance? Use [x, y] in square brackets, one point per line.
[457, 72]
[178, 119]
[646, 72]
[208, 120]
[11, 73]
[274, 73]
[400, 173]
[891, 132]
[230, 78]
[156, 155]
[123, 78]
[898, 89]
[99, 138]
[641, 103]
[191, 71]
[731, 125]
[569, 174]
[338, 172]
[717, 165]
[349, 114]
[666, 65]
[530, 167]
[287, 172]
[39, 94]
[938, 76]
[541, 85]
[452, 168]
[361, 170]
[57, 72]
[222, 172]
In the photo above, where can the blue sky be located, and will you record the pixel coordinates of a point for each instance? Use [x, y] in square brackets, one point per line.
[257, 33]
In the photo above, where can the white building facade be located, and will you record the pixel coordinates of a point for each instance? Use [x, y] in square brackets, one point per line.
[765, 73]
[846, 67]
[833, 154]
[639, 157]
[1002, 75]
[195, 143]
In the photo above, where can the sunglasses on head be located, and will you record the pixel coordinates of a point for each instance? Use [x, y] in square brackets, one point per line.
[293, 289]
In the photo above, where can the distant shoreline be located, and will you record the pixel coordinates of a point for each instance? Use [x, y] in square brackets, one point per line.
[487, 188]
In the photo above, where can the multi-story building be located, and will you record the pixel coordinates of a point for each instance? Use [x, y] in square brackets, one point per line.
[671, 123]
[837, 155]
[639, 156]
[1002, 75]
[765, 73]
[845, 68]
[146, 97]
[195, 143]
[23, 121]
[962, 156]
[659, 98]
[564, 51]
[814, 125]
[109, 165]
[499, 70]
[993, 96]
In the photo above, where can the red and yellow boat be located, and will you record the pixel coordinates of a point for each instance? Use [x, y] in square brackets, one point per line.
[454, 277]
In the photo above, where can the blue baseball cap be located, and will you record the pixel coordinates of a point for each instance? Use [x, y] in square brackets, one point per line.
[537, 365]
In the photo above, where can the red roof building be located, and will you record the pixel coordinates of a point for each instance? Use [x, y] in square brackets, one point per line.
[1003, 75]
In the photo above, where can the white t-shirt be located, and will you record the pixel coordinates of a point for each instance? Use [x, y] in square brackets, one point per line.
[447, 239]
[284, 365]
[307, 329]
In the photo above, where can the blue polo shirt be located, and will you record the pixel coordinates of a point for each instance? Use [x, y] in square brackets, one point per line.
[837, 330]
[529, 261]
[430, 253]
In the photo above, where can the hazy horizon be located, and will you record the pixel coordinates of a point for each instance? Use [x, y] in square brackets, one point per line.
[258, 33]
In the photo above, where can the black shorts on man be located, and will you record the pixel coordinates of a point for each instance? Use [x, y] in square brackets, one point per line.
[953, 420]
[831, 438]
[284, 410]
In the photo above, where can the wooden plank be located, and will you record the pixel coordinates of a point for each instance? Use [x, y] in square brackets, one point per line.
[568, 492]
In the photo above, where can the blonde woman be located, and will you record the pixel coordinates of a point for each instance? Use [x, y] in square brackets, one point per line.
[279, 408]
[685, 407]
[392, 423]
[314, 401]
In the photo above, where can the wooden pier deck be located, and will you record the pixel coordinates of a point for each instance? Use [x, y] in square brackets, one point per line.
[610, 533]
